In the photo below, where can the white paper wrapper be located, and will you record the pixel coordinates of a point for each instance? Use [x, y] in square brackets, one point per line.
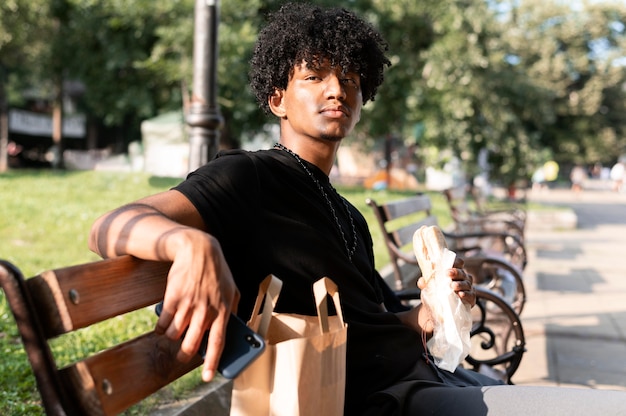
[450, 343]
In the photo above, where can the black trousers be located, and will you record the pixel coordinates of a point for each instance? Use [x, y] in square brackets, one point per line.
[514, 401]
[503, 400]
[466, 393]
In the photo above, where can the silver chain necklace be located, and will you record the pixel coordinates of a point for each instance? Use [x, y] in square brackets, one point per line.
[328, 202]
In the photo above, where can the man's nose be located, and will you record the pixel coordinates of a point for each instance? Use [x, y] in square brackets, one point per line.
[334, 87]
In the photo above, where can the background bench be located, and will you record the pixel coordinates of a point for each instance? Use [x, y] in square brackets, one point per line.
[469, 213]
[492, 258]
[497, 335]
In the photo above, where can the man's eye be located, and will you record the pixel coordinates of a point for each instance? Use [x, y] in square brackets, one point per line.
[349, 81]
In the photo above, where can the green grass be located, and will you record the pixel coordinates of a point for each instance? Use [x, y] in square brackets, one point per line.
[45, 218]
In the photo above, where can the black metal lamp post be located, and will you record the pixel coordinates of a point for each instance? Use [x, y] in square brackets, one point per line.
[204, 118]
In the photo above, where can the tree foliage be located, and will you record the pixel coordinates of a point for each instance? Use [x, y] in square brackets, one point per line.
[22, 45]
[23, 35]
[577, 54]
[519, 78]
[522, 79]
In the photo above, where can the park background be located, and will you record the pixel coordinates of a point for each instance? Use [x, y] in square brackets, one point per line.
[493, 89]
[486, 92]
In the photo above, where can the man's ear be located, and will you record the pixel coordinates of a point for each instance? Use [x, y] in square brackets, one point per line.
[276, 103]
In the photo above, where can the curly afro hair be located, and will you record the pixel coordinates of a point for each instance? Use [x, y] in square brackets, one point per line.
[303, 32]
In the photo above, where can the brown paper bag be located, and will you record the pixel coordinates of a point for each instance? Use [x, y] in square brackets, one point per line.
[302, 370]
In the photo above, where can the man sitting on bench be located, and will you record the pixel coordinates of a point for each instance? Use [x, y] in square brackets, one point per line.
[245, 215]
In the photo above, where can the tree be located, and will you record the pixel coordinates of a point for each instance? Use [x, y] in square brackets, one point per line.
[110, 43]
[23, 31]
[514, 78]
[577, 53]
[471, 97]
[135, 59]
[508, 76]
[407, 27]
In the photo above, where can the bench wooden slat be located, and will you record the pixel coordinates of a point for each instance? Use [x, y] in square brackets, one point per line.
[404, 234]
[111, 381]
[78, 296]
[401, 208]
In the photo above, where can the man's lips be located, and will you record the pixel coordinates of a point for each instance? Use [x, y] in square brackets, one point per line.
[335, 111]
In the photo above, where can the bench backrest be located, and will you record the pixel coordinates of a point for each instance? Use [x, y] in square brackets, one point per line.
[398, 220]
[470, 213]
[459, 204]
[64, 300]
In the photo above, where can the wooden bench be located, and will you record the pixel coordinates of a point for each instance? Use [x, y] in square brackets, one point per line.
[470, 214]
[65, 300]
[505, 208]
[498, 342]
[511, 222]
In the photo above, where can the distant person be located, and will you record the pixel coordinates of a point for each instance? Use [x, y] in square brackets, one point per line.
[578, 176]
[617, 176]
[596, 171]
[538, 179]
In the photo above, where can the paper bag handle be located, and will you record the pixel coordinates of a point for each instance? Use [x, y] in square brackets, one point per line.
[272, 285]
[321, 288]
[260, 322]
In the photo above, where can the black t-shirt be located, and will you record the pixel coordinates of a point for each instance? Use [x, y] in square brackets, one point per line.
[270, 217]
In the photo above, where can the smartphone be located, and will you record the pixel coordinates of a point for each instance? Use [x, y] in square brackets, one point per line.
[242, 346]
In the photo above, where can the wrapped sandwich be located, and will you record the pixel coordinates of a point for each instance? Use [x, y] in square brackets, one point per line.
[450, 342]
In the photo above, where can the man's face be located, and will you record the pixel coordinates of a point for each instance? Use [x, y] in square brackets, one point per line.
[321, 103]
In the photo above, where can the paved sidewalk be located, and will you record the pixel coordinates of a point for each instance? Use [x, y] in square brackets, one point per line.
[575, 317]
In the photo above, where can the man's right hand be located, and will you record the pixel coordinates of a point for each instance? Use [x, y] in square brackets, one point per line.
[200, 292]
[200, 296]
